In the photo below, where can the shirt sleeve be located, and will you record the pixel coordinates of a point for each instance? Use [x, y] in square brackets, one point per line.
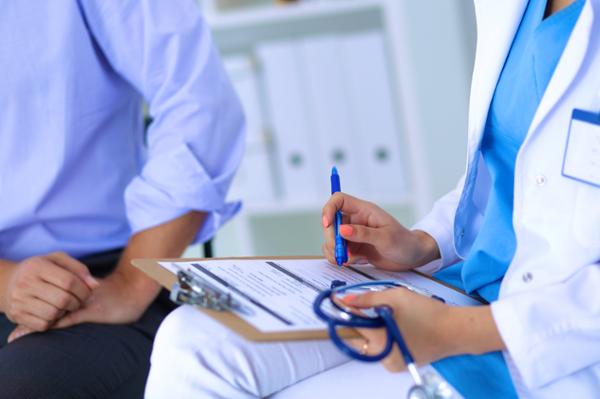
[164, 49]
[553, 331]
[439, 224]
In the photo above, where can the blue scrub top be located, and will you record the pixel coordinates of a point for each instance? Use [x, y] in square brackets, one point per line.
[534, 54]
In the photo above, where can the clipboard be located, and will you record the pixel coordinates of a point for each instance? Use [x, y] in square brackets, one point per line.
[234, 322]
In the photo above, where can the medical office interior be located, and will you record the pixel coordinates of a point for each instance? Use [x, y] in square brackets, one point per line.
[172, 223]
[378, 88]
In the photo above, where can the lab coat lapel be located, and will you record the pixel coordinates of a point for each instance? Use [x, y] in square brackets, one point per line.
[497, 24]
[567, 66]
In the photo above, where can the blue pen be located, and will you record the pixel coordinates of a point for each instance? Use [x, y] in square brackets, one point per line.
[341, 247]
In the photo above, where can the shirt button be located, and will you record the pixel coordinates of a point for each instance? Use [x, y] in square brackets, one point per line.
[540, 180]
[527, 277]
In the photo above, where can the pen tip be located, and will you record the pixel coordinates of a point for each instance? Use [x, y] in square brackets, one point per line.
[334, 171]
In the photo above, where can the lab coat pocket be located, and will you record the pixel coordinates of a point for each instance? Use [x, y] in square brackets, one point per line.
[586, 216]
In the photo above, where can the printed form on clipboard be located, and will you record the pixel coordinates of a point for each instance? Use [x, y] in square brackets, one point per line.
[276, 295]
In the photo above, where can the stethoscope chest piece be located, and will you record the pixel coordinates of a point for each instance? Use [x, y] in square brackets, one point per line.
[434, 387]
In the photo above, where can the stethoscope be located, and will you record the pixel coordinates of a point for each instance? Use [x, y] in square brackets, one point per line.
[335, 314]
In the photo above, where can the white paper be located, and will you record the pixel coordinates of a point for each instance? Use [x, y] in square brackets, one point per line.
[277, 295]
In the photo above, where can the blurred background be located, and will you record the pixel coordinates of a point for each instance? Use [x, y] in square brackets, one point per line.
[378, 88]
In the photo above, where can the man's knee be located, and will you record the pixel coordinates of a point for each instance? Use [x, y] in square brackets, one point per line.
[22, 374]
[87, 360]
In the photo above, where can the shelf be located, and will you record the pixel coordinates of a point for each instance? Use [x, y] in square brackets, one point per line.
[283, 14]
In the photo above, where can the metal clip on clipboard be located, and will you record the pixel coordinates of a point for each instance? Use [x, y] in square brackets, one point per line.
[192, 290]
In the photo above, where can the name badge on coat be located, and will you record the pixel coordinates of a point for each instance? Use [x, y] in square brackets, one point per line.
[582, 153]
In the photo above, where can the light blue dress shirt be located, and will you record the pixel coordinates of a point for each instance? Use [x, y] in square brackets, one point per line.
[77, 173]
[534, 54]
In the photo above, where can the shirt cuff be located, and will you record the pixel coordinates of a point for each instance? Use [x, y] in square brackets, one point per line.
[172, 184]
[444, 237]
[512, 331]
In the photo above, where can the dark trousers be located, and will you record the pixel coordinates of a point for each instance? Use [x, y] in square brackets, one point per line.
[84, 361]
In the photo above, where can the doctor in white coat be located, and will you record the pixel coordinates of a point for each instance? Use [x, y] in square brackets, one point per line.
[544, 311]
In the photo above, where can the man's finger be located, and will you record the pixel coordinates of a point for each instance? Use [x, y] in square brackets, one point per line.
[57, 297]
[67, 281]
[73, 265]
[71, 319]
[33, 323]
[43, 310]
[18, 332]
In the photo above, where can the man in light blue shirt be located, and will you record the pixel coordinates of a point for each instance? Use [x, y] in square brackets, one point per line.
[78, 178]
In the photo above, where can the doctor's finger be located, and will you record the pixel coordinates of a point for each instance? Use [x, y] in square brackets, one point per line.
[363, 234]
[370, 299]
[356, 255]
[329, 234]
[341, 202]
[372, 343]
[327, 253]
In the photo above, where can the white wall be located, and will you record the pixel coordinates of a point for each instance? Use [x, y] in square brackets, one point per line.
[444, 49]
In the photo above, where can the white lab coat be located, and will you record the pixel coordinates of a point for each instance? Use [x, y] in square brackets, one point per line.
[548, 311]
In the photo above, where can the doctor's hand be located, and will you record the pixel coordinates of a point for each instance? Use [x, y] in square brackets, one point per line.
[374, 236]
[39, 290]
[431, 329]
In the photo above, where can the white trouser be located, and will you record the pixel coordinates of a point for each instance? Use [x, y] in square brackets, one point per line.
[196, 357]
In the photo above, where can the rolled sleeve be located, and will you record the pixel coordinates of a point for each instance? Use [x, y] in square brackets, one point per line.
[552, 332]
[196, 140]
[172, 184]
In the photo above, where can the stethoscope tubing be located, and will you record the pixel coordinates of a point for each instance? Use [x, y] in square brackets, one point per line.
[385, 319]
